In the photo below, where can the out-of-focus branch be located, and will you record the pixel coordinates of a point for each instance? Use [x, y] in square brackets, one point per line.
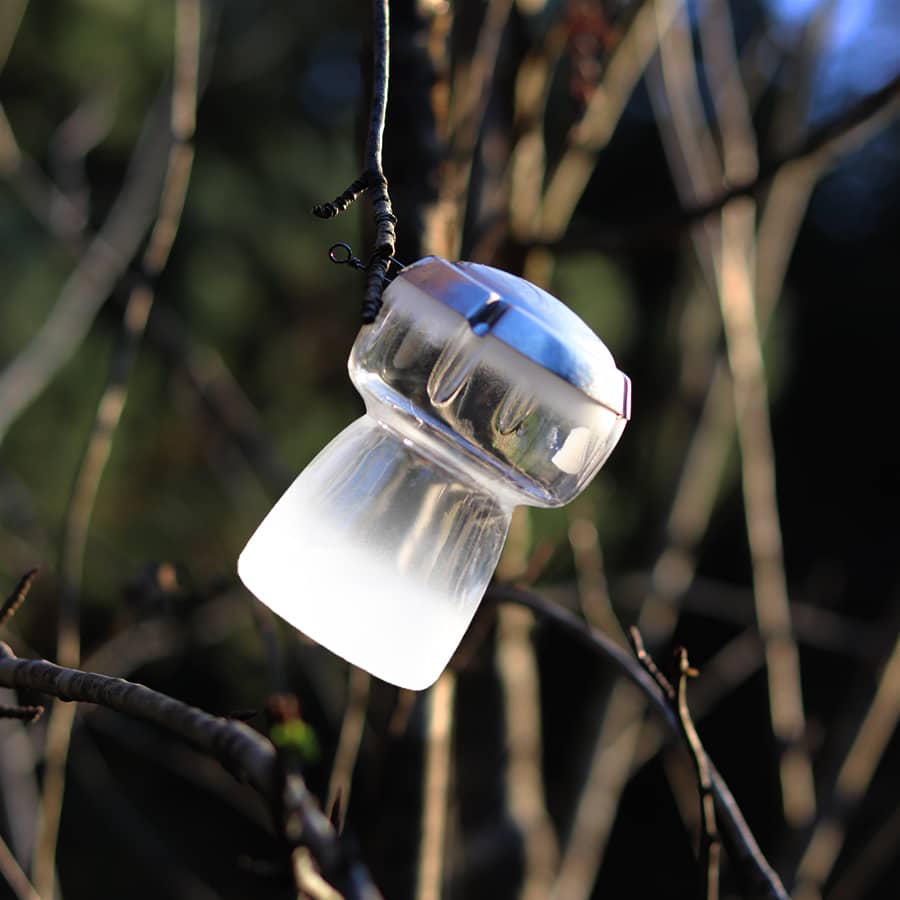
[743, 850]
[691, 152]
[630, 58]
[728, 253]
[23, 713]
[818, 139]
[182, 120]
[826, 143]
[13, 875]
[241, 750]
[520, 681]
[854, 778]
[436, 787]
[105, 260]
[879, 853]
[11, 15]
[528, 160]
[570, 177]
[705, 459]
[372, 178]
[220, 394]
[737, 300]
[349, 741]
[616, 739]
[472, 88]
[518, 675]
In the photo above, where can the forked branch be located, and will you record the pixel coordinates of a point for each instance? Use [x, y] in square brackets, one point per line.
[244, 752]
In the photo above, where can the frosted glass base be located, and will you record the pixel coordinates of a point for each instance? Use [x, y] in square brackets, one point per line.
[378, 555]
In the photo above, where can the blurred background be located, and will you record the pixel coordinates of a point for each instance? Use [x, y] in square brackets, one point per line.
[713, 187]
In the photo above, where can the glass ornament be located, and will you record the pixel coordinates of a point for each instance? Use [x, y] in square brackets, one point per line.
[482, 392]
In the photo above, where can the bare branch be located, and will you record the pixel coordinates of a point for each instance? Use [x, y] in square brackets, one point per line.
[241, 750]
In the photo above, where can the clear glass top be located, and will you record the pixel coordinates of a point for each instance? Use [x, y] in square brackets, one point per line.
[531, 408]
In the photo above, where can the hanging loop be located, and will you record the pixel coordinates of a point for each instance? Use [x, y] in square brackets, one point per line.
[341, 254]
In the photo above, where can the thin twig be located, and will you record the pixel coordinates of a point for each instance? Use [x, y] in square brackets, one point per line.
[372, 178]
[17, 597]
[24, 713]
[649, 664]
[709, 840]
[708, 851]
[748, 859]
[343, 201]
[241, 750]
